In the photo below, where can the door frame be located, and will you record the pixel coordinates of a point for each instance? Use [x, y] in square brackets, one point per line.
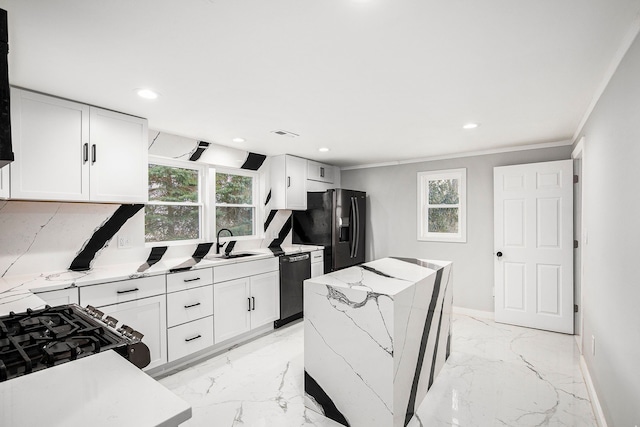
[579, 153]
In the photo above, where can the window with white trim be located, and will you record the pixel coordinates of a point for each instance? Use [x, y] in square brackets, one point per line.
[442, 206]
[174, 211]
[236, 202]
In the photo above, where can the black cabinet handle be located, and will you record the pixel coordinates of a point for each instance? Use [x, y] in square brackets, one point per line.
[94, 154]
[499, 254]
[192, 305]
[194, 338]
[288, 181]
[128, 291]
[249, 301]
[321, 172]
[254, 303]
[191, 280]
[85, 152]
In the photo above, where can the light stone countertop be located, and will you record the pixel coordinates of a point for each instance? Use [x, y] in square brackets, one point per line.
[16, 292]
[103, 389]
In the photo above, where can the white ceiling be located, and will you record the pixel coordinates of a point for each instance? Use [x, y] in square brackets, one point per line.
[373, 80]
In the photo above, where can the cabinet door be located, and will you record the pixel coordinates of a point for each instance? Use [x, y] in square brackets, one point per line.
[265, 299]
[50, 143]
[119, 169]
[319, 172]
[296, 183]
[4, 182]
[149, 317]
[231, 309]
[317, 269]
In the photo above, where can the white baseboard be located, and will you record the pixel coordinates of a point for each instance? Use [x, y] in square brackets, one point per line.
[473, 313]
[595, 403]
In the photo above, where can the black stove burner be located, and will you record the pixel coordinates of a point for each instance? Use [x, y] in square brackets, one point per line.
[38, 339]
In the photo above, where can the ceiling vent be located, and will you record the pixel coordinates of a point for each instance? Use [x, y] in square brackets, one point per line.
[285, 133]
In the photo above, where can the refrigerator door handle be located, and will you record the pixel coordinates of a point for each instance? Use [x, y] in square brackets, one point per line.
[352, 240]
[357, 227]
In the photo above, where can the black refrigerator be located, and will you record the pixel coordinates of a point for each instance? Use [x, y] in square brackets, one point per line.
[334, 219]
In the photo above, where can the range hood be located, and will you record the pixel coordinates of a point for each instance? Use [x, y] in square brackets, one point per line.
[6, 152]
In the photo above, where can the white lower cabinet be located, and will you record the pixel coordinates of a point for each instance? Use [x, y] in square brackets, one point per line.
[139, 303]
[190, 337]
[4, 182]
[244, 304]
[149, 317]
[317, 263]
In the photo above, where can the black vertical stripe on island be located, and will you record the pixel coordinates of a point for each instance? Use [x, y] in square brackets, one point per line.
[286, 228]
[253, 162]
[423, 347]
[435, 347]
[156, 254]
[202, 145]
[268, 198]
[313, 389]
[270, 217]
[6, 150]
[102, 235]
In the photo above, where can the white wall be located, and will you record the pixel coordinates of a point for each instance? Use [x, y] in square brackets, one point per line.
[611, 281]
[391, 217]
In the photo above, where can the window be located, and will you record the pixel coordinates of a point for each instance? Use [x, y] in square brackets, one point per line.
[442, 205]
[235, 202]
[174, 210]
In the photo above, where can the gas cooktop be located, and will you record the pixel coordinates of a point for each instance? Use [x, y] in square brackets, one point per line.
[39, 339]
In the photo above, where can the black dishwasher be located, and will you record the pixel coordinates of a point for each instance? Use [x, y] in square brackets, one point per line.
[294, 270]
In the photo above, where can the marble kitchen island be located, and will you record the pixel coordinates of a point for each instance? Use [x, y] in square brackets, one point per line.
[375, 337]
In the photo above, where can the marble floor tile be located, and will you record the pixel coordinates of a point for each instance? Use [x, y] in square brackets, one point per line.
[497, 375]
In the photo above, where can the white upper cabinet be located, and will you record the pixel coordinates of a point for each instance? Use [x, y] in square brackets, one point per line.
[317, 171]
[68, 151]
[288, 182]
[50, 144]
[119, 170]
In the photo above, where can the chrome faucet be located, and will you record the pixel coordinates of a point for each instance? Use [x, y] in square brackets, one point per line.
[218, 245]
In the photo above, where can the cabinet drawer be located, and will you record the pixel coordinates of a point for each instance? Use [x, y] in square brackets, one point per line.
[126, 290]
[190, 337]
[189, 305]
[189, 279]
[244, 269]
[317, 256]
[59, 297]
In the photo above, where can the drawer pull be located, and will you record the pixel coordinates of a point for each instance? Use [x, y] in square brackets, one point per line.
[254, 303]
[192, 305]
[194, 338]
[128, 291]
[249, 301]
[191, 280]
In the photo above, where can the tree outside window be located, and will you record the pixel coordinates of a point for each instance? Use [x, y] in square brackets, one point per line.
[235, 203]
[442, 205]
[174, 209]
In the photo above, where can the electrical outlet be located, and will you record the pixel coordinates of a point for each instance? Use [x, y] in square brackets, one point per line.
[593, 345]
[124, 242]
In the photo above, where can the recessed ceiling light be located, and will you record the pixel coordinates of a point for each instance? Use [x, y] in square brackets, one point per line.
[323, 149]
[147, 93]
[238, 140]
[470, 126]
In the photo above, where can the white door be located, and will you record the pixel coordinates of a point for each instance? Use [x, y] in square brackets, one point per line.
[265, 298]
[533, 242]
[231, 309]
[119, 156]
[4, 182]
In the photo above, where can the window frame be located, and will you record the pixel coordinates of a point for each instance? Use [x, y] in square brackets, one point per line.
[255, 197]
[201, 204]
[423, 205]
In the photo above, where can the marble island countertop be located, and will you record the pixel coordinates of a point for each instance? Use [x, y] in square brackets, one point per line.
[17, 292]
